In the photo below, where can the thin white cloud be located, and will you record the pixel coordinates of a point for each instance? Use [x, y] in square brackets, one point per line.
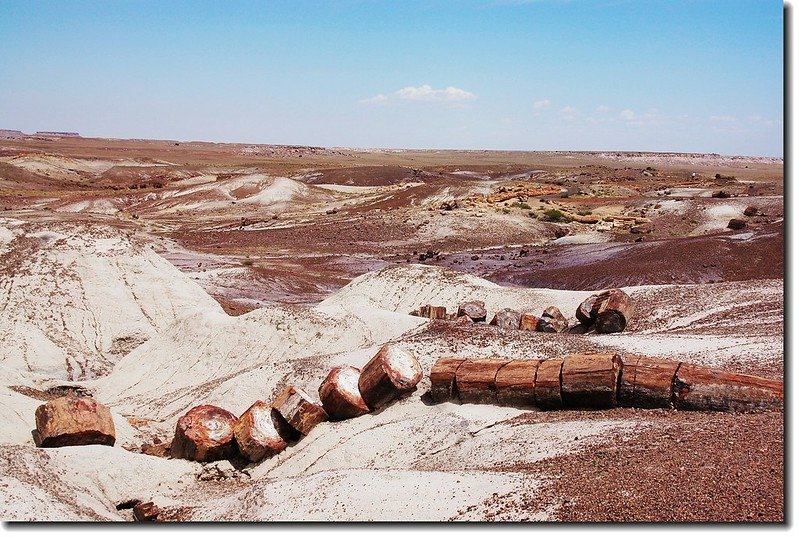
[569, 113]
[424, 93]
[627, 115]
[542, 104]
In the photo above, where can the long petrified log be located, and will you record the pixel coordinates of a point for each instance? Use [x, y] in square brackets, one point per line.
[590, 380]
[515, 383]
[260, 433]
[339, 394]
[442, 379]
[475, 380]
[389, 374]
[547, 385]
[298, 409]
[73, 421]
[647, 382]
[204, 433]
[702, 388]
[612, 310]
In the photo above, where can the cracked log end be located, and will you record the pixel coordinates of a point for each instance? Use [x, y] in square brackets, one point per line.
[547, 385]
[528, 322]
[442, 379]
[260, 433]
[647, 382]
[390, 373]
[701, 388]
[73, 421]
[204, 433]
[475, 380]
[515, 383]
[340, 395]
[590, 380]
[612, 311]
[298, 410]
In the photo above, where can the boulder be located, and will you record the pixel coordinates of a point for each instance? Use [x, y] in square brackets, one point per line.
[473, 309]
[552, 320]
[736, 223]
[750, 211]
[507, 319]
[73, 421]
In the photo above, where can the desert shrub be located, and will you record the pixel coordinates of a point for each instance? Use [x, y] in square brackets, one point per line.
[564, 195]
[584, 212]
[521, 205]
[554, 215]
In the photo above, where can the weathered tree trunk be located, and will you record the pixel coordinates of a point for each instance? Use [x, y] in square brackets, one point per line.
[260, 433]
[298, 410]
[702, 388]
[204, 433]
[474, 309]
[442, 379]
[647, 382]
[584, 311]
[590, 380]
[339, 394]
[146, 512]
[475, 380]
[528, 322]
[612, 310]
[433, 312]
[547, 385]
[73, 421]
[507, 319]
[389, 374]
[515, 383]
[553, 321]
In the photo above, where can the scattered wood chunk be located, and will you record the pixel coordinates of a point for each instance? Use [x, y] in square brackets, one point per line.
[590, 380]
[339, 394]
[389, 374]
[73, 421]
[528, 322]
[736, 223]
[474, 309]
[515, 383]
[475, 380]
[298, 409]
[584, 311]
[433, 312]
[442, 379]
[701, 388]
[547, 385]
[260, 433]
[751, 211]
[612, 310]
[553, 321]
[146, 512]
[507, 319]
[204, 433]
[647, 382]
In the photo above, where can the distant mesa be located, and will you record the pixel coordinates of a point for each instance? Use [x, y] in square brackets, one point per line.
[8, 133]
[58, 133]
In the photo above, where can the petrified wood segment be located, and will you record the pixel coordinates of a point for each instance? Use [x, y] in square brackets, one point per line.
[528, 322]
[612, 310]
[260, 433]
[298, 409]
[584, 310]
[590, 380]
[547, 385]
[475, 380]
[507, 318]
[652, 380]
[552, 320]
[627, 381]
[146, 512]
[515, 383]
[339, 394]
[433, 312]
[474, 309]
[702, 388]
[204, 433]
[73, 421]
[442, 379]
[389, 374]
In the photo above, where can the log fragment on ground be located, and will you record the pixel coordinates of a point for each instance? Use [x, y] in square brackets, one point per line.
[612, 311]
[507, 319]
[433, 312]
[204, 433]
[528, 322]
[475, 380]
[590, 380]
[442, 379]
[647, 382]
[515, 383]
[299, 411]
[701, 388]
[73, 421]
[260, 433]
[473, 309]
[547, 385]
[339, 394]
[390, 373]
[584, 310]
[553, 321]
[146, 512]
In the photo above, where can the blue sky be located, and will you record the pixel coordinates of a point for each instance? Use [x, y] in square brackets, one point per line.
[678, 75]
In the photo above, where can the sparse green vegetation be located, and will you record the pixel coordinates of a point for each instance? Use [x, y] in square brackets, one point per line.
[564, 194]
[584, 212]
[555, 215]
[521, 205]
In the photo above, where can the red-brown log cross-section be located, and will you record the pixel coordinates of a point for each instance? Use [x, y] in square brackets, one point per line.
[612, 311]
[73, 421]
[475, 380]
[260, 432]
[515, 383]
[442, 379]
[340, 395]
[389, 374]
[298, 410]
[547, 385]
[590, 380]
[647, 382]
[204, 433]
[702, 388]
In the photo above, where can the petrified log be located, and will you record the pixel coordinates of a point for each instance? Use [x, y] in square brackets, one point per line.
[433, 312]
[736, 223]
[701, 388]
[390, 373]
[528, 322]
[647, 382]
[145, 512]
[590, 380]
[547, 385]
[204, 433]
[475, 380]
[584, 310]
[474, 309]
[552, 320]
[515, 383]
[507, 319]
[260, 433]
[298, 409]
[73, 421]
[612, 310]
[339, 394]
[442, 379]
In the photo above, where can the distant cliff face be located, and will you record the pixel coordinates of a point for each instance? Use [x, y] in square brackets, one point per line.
[8, 133]
[56, 133]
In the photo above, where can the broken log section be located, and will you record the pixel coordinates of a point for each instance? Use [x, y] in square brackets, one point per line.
[340, 395]
[647, 382]
[515, 383]
[702, 388]
[442, 379]
[547, 385]
[475, 379]
[590, 380]
[260, 433]
[507, 319]
[474, 309]
[390, 373]
[612, 310]
[73, 421]
[298, 410]
[204, 434]
[146, 512]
